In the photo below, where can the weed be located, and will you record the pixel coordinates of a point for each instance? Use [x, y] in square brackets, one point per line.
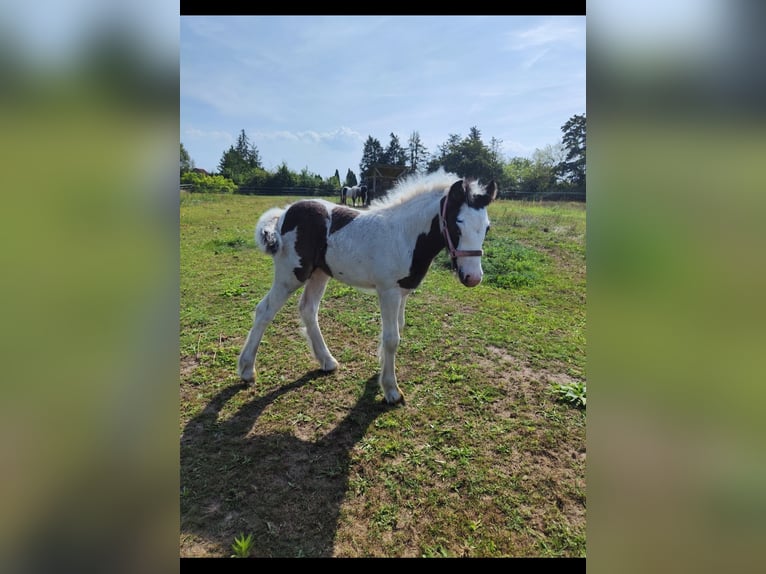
[437, 551]
[573, 393]
[385, 517]
[242, 546]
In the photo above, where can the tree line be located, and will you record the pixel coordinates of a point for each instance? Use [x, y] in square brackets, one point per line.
[557, 169]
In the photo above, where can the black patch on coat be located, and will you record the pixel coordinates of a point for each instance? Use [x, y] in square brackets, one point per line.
[311, 221]
[341, 216]
[427, 247]
[456, 199]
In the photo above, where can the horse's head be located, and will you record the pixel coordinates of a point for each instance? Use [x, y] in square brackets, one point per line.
[465, 224]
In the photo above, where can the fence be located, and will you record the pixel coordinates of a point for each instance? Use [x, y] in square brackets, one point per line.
[294, 190]
[324, 192]
[543, 195]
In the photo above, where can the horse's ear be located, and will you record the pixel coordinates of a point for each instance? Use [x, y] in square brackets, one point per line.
[484, 199]
[457, 192]
[492, 190]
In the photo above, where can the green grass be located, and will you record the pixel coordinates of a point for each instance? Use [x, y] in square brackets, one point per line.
[483, 460]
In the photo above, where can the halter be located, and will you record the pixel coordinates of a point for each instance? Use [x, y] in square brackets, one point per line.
[454, 253]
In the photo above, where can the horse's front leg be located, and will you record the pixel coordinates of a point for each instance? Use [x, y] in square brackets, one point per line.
[265, 312]
[390, 301]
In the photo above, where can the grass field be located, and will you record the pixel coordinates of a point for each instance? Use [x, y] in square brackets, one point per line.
[484, 460]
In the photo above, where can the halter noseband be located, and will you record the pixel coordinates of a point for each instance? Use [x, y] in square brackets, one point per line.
[454, 253]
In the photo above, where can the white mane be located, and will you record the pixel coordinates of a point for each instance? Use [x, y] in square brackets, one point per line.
[414, 185]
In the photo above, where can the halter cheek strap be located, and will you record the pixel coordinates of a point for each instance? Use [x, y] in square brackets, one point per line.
[455, 253]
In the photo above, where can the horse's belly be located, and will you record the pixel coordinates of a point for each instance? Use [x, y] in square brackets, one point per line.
[352, 273]
[360, 272]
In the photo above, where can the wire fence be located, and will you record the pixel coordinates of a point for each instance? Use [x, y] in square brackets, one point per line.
[291, 190]
[301, 191]
[553, 195]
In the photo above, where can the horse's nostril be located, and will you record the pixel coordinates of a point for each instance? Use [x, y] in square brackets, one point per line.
[471, 280]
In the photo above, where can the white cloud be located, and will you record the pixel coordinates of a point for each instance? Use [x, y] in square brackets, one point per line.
[215, 135]
[342, 137]
[552, 31]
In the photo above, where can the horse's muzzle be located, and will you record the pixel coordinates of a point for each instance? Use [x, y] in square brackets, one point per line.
[469, 280]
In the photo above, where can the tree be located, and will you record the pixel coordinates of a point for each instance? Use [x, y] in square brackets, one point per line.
[283, 177]
[516, 173]
[469, 157]
[240, 161]
[186, 163]
[308, 179]
[550, 155]
[247, 151]
[231, 165]
[372, 152]
[572, 168]
[542, 176]
[497, 162]
[537, 175]
[395, 154]
[417, 152]
[447, 155]
[351, 180]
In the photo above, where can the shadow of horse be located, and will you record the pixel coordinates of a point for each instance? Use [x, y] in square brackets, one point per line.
[286, 491]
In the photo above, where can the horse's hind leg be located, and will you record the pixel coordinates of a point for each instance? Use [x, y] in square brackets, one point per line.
[402, 305]
[309, 309]
[390, 305]
[265, 312]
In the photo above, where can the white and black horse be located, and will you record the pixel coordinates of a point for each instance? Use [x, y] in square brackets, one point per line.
[387, 248]
[359, 192]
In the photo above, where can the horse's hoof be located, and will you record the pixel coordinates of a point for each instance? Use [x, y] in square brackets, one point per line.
[398, 401]
[248, 379]
[330, 367]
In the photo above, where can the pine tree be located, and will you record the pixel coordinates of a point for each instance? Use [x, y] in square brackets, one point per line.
[371, 154]
[573, 167]
[240, 161]
[395, 153]
[186, 164]
[418, 155]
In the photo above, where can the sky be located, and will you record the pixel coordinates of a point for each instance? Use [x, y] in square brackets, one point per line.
[310, 90]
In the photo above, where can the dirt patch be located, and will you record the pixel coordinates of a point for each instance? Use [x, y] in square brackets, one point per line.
[549, 461]
[188, 366]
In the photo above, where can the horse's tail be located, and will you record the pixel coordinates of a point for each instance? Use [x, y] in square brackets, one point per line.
[267, 236]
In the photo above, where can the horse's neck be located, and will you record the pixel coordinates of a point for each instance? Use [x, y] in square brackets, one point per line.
[424, 205]
[417, 212]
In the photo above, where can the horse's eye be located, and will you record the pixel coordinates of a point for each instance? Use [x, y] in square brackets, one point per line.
[458, 221]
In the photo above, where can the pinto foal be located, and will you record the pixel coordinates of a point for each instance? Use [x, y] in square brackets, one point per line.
[387, 249]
